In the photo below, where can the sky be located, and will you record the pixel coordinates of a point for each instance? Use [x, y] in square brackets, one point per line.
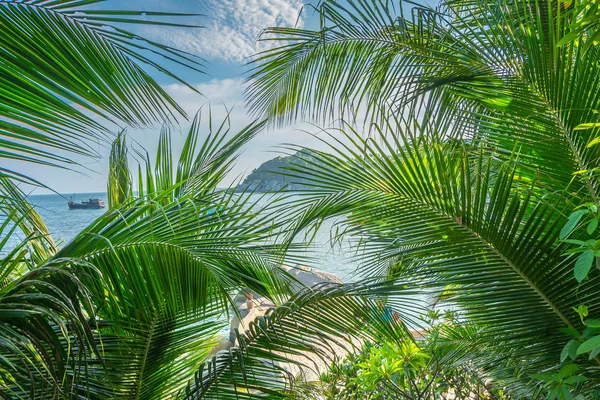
[227, 40]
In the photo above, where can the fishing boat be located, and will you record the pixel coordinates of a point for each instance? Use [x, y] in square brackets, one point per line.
[91, 204]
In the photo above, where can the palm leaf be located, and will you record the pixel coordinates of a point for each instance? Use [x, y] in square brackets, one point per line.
[456, 222]
[44, 316]
[169, 258]
[200, 168]
[467, 66]
[14, 207]
[68, 69]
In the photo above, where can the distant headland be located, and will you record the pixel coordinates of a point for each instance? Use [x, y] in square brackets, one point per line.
[278, 174]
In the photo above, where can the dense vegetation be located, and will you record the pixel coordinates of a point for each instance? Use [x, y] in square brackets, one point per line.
[476, 184]
[271, 176]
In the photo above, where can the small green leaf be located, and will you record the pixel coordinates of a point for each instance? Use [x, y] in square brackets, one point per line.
[571, 332]
[594, 353]
[582, 310]
[588, 125]
[575, 379]
[567, 393]
[584, 264]
[574, 241]
[541, 377]
[589, 332]
[589, 345]
[565, 352]
[570, 350]
[591, 228]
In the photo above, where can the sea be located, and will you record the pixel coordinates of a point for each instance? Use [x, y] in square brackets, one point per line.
[65, 224]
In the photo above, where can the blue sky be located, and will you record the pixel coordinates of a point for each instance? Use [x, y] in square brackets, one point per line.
[226, 42]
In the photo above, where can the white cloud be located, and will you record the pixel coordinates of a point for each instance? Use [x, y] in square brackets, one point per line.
[232, 27]
[217, 91]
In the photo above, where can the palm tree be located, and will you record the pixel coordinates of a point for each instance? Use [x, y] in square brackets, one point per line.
[138, 296]
[134, 304]
[476, 156]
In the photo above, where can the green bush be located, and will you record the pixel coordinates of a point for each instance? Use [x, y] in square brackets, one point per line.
[425, 368]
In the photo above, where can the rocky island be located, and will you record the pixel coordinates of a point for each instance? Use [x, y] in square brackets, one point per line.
[277, 174]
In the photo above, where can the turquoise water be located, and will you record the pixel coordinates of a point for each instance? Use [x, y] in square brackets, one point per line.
[65, 224]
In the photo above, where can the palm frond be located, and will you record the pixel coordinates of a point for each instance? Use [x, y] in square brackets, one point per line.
[15, 208]
[66, 68]
[45, 315]
[119, 186]
[169, 258]
[483, 71]
[201, 166]
[456, 222]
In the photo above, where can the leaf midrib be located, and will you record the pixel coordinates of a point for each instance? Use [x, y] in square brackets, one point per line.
[145, 358]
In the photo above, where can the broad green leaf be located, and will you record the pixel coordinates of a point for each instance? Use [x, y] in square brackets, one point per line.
[542, 377]
[568, 369]
[570, 350]
[571, 332]
[574, 241]
[592, 323]
[575, 379]
[589, 345]
[584, 264]
[572, 222]
[591, 228]
[589, 332]
[567, 393]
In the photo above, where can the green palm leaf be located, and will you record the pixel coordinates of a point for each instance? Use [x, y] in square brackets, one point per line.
[66, 67]
[169, 257]
[45, 319]
[456, 222]
[487, 71]
[15, 208]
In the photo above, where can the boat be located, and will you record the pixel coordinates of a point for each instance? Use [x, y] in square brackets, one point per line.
[91, 204]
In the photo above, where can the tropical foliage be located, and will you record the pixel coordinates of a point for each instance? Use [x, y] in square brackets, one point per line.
[139, 293]
[481, 144]
[133, 305]
[430, 368]
[475, 187]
